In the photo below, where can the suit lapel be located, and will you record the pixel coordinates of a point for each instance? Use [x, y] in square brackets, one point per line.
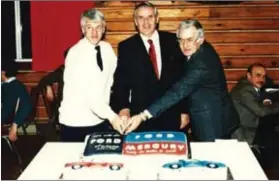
[141, 48]
[164, 55]
[144, 56]
[257, 94]
[252, 88]
[167, 58]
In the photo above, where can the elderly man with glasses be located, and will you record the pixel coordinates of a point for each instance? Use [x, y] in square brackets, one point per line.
[212, 113]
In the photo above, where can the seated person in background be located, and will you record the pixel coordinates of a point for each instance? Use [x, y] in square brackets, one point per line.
[251, 103]
[15, 100]
[53, 77]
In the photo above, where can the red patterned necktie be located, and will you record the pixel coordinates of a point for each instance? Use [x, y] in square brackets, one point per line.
[152, 55]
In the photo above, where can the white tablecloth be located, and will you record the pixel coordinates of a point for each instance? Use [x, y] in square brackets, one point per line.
[49, 162]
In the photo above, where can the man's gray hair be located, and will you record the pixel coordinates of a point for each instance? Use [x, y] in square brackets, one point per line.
[92, 14]
[146, 4]
[189, 23]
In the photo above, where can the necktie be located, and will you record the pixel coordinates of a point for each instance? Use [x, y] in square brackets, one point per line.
[99, 57]
[152, 55]
[259, 93]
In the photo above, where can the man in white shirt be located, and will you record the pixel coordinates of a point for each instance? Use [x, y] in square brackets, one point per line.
[88, 77]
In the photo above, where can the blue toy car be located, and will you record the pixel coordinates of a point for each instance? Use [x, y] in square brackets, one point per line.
[193, 163]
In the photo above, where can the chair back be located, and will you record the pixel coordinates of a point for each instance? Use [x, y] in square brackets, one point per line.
[50, 89]
[51, 105]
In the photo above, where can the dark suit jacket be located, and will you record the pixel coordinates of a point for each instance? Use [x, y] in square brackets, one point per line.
[211, 110]
[250, 108]
[54, 77]
[10, 92]
[135, 74]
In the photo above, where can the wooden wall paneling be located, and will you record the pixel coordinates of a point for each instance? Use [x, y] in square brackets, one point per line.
[157, 3]
[247, 49]
[182, 12]
[126, 13]
[41, 112]
[182, 3]
[242, 49]
[242, 37]
[245, 61]
[120, 26]
[31, 76]
[236, 74]
[214, 37]
[245, 12]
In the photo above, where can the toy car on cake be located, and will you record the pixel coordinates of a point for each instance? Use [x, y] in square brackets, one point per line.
[80, 165]
[193, 170]
[193, 163]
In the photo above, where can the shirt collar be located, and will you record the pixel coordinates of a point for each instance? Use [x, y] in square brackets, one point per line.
[10, 80]
[90, 44]
[257, 90]
[154, 37]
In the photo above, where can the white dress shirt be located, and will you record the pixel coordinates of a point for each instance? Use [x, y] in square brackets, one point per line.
[156, 42]
[86, 92]
[9, 80]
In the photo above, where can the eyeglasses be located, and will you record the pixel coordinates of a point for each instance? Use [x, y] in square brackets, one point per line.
[187, 41]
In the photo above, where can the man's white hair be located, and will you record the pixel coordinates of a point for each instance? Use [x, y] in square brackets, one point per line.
[92, 14]
[189, 23]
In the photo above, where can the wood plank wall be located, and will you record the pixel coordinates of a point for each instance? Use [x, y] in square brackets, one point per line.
[242, 33]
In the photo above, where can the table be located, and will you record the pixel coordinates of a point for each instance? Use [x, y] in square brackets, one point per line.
[50, 160]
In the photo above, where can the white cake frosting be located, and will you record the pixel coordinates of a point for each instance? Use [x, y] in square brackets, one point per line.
[145, 156]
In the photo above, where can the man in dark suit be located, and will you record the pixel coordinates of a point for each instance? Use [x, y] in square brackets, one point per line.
[16, 103]
[211, 110]
[146, 68]
[252, 103]
[55, 76]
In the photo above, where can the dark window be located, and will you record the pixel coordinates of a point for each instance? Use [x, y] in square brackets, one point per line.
[8, 50]
[26, 29]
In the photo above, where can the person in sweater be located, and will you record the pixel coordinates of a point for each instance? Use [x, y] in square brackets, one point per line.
[16, 102]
